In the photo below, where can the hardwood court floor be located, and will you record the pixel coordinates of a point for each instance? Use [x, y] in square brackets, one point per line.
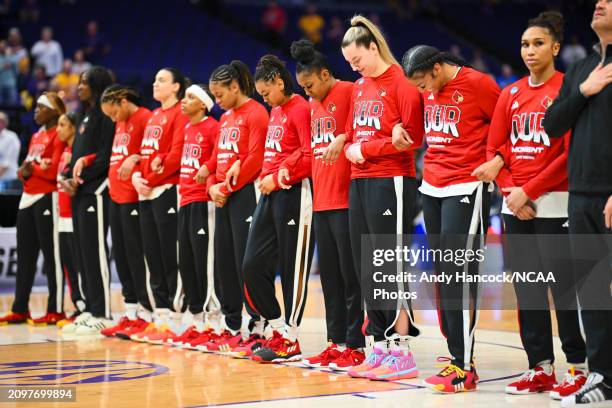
[117, 373]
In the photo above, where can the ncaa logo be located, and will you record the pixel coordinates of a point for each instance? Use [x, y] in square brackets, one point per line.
[65, 372]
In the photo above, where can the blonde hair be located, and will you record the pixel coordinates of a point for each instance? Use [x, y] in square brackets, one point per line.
[364, 32]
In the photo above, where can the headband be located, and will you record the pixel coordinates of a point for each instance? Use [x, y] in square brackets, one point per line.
[44, 100]
[201, 95]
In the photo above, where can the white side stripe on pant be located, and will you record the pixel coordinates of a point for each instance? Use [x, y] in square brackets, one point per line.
[211, 303]
[101, 248]
[302, 250]
[57, 264]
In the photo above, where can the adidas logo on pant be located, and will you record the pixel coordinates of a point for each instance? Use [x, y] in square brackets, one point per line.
[465, 200]
[91, 209]
[171, 210]
[134, 212]
[47, 212]
[388, 212]
[292, 222]
[201, 232]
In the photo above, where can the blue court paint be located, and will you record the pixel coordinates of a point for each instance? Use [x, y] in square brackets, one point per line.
[70, 372]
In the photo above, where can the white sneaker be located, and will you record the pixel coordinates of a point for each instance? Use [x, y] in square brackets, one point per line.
[80, 320]
[94, 325]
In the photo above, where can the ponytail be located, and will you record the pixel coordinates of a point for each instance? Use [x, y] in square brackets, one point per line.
[235, 71]
[269, 68]
[364, 32]
[422, 58]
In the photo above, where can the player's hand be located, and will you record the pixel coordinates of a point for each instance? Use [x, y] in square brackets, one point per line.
[68, 186]
[231, 177]
[45, 164]
[216, 195]
[597, 80]
[141, 184]
[77, 170]
[488, 171]
[202, 175]
[283, 176]
[516, 199]
[334, 150]
[266, 185]
[354, 155]
[157, 165]
[127, 167]
[608, 213]
[525, 213]
[400, 138]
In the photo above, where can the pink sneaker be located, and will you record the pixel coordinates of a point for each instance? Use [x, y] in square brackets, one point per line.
[396, 366]
[373, 361]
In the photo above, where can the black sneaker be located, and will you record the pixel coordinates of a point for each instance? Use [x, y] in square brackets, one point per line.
[593, 391]
[278, 349]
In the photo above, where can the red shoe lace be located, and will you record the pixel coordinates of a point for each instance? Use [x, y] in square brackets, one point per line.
[275, 341]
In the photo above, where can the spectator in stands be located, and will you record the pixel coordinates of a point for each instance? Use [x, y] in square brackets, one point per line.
[48, 52]
[507, 76]
[95, 46]
[478, 62]
[16, 48]
[80, 65]
[274, 21]
[66, 83]
[311, 24]
[39, 82]
[29, 11]
[8, 76]
[9, 150]
[336, 31]
[572, 52]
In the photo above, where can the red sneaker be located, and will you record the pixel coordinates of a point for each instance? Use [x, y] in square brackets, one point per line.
[203, 338]
[347, 360]
[124, 323]
[278, 350]
[246, 348]
[532, 382]
[178, 340]
[452, 379]
[223, 343]
[324, 358]
[49, 318]
[572, 382]
[135, 327]
[14, 318]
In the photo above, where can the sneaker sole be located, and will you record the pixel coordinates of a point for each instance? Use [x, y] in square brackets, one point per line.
[402, 375]
[342, 369]
[556, 396]
[514, 391]
[435, 388]
[297, 357]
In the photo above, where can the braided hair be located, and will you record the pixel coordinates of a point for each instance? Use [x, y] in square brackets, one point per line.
[422, 58]
[271, 67]
[235, 71]
[115, 93]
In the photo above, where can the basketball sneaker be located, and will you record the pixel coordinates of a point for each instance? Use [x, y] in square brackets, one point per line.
[203, 338]
[14, 318]
[347, 360]
[93, 325]
[163, 333]
[323, 359]
[123, 324]
[278, 350]
[223, 343]
[533, 382]
[178, 340]
[67, 320]
[135, 327]
[593, 391]
[396, 366]
[452, 379]
[81, 319]
[143, 335]
[49, 318]
[247, 347]
[572, 382]
[370, 363]
[212, 336]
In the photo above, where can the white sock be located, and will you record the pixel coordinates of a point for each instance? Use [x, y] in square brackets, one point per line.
[145, 315]
[382, 345]
[258, 327]
[292, 333]
[130, 310]
[546, 366]
[162, 316]
[279, 325]
[581, 367]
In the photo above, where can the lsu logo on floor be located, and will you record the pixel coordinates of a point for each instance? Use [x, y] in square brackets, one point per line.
[63, 372]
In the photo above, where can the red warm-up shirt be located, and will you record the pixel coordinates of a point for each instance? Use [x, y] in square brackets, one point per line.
[198, 147]
[127, 141]
[288, 141]
[533, 160]
[457, 120]
[378, 104]
[328, 120]
[63, 198]
[163, 137]
[44, 144]
[242, 136]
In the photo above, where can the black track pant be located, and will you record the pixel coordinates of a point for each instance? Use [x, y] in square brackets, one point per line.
[72, 270]
[232, 223]
[381, 206]
[196, 235]
[90, 216]
[128, 253]
[339, 281]
[586, 217]
[280, 240]
[535, 323]
[37, 231]
[158, 225]
[451, 223]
